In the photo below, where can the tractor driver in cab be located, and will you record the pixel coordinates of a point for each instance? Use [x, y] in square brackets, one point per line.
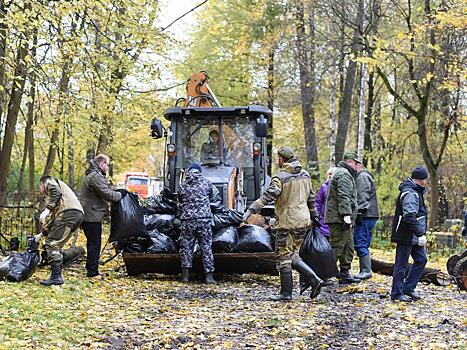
[210, 149]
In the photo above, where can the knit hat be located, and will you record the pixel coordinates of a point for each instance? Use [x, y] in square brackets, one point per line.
[419, 173]
[351, 155]
[286, 153]
[195, 166]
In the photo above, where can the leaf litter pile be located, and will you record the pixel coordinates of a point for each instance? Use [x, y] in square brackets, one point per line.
[160, 312]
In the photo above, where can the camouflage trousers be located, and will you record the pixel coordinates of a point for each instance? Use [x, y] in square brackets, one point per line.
[199, 230]
[59, 232]
[288, 244]
[341, 240]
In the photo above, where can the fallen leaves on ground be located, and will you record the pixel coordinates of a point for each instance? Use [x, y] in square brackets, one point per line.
[160, 312]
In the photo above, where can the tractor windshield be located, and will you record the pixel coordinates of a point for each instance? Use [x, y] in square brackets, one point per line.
[199, 140]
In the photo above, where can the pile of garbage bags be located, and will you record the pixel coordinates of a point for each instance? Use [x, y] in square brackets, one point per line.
[155, 227]
[18, 267]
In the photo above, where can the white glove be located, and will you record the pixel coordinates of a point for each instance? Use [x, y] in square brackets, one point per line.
[422, 241]
[246, 215]
[347, 219]
[44, 215]
[38, 237]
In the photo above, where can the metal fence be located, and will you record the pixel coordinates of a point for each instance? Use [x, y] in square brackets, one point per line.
[16, 223]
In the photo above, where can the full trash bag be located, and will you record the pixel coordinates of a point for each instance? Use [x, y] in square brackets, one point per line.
[224, 240]
[226, 218]
[135, 245]
[19, 267]
[317, 253]
[163, 203]
[164, 223]
[161, 243]
[253, 238]
[127, 218]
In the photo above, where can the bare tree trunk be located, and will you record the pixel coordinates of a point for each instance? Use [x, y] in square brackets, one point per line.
[30, 118]
[71, 156]
[361, 112]
[3, 35]
[63, 92]
[367, 144]
[12, 116]
[306, 67]
[271, 89]
[345, 103]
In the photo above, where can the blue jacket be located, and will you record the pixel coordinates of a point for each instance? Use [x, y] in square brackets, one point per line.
[410, 218]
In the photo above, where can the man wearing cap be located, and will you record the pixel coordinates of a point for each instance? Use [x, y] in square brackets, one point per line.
[409, 232]
[195, 196]
[291, 191]
[341, 212]
[367, 217]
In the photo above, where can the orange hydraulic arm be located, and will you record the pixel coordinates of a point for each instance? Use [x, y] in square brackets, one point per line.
[198, 92]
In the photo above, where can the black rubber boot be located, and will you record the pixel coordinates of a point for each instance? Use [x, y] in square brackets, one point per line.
[185, 275]
[55, 275]
[347, 278]
[286, 284]
[365, 268]
[308, 275]
[209, 279]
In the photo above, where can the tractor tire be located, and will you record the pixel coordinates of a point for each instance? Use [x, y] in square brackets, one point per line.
[460, 273]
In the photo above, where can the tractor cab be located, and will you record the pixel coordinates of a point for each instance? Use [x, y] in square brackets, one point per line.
[230, 143]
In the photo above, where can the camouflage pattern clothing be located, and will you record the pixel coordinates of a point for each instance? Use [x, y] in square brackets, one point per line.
[288, 244]
[66, 216]
[195, 212]
[196, 230]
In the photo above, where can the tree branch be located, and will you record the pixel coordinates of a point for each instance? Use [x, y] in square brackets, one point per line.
[179, 18]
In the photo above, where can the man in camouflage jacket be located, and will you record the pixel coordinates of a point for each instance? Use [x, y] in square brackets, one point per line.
[341, 212]
[291, 191]
[61, 217]
[195, 196]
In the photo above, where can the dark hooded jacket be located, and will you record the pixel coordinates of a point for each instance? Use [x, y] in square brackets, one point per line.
[95, 194]
[342, 195]
[410, 217]
[291, 191]
[366, 195]
[195, 196]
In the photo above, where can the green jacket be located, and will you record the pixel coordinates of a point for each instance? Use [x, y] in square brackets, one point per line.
[95, 193]
[342, 195]
[291, 191]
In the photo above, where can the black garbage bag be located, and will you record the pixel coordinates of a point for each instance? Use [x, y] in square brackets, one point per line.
[226, 218]
[127, 219]
[317, 253]
[135, 244]
[19, 267]
[252, 238]
[161, 243]
[224, 240]
[163, 203]
[164, 223]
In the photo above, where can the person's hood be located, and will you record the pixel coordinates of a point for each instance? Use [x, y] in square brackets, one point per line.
[364, 171]
[292, 166]
[351, 170]
[93, 167]
[409, 183]
[193, 176]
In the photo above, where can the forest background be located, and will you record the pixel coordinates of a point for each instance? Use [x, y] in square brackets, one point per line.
[383, 77]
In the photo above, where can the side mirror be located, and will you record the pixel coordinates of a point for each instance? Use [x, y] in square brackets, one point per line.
[156, 129]
[261, 129]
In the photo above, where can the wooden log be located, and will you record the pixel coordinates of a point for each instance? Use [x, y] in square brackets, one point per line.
[429, 275]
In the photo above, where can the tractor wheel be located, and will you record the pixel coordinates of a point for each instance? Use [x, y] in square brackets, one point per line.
[460, 273]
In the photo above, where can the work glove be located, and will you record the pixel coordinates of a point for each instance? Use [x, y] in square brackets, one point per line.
[348, 219]
[44, 215]
[422, 241]
[38, 237]
[246, 215]
[123, 192]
